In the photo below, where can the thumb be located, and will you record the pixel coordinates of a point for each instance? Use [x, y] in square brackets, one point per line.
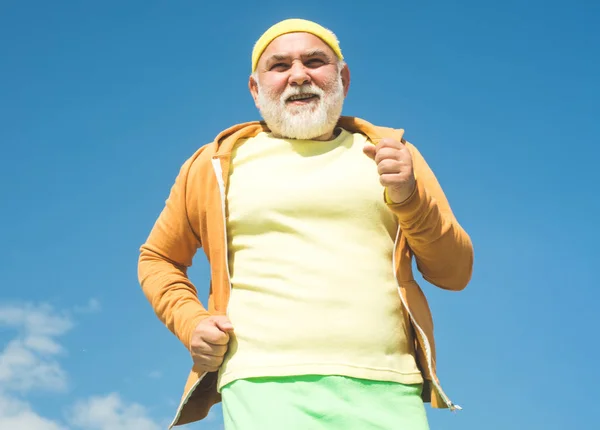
[369, 150]
[222, 323]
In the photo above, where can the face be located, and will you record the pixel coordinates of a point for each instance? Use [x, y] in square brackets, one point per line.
[299, 87]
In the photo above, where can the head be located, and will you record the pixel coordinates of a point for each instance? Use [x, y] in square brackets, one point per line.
[299, 80]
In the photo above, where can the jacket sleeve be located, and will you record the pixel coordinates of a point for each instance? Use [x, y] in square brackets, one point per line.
[442, 249]
[163, 262]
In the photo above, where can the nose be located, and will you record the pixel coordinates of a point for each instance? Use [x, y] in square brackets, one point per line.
[298, 74]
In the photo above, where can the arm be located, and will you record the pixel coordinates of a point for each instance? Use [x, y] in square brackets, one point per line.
[442, 248]
[163, 262]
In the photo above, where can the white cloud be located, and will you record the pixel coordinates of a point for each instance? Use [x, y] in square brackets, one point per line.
[43, 345]
[18, 415]
[92, 306]
[40, 320]
[110, 413]
[29, 362]
[22, 369]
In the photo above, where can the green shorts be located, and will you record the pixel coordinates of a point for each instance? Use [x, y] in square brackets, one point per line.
[322, 403]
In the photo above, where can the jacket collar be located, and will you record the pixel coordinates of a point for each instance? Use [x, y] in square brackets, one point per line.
[226, 140]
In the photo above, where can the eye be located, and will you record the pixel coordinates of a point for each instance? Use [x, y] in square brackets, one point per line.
[279, 67]
[315, 62]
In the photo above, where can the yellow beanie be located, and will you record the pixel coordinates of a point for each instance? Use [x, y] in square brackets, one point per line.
[294, 26]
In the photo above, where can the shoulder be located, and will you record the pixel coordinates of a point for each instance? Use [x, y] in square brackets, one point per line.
[198, 160]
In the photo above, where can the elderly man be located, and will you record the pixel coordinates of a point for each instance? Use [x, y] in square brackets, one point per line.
[309, 221]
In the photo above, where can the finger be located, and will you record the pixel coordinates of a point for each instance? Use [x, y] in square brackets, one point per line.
[214, 336]
[208, 363]
[210, 349]
[387, 153]
[390, 167]
[223, 323]
[391, 179]
[389, 143]
[207, 360]
[369, 150]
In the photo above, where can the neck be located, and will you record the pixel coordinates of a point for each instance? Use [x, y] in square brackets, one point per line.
[330, 135]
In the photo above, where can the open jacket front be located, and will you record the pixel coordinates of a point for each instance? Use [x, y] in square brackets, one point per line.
[195, 216]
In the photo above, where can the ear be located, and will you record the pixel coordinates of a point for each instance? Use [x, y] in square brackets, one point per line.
[253, 87]
[346, 79]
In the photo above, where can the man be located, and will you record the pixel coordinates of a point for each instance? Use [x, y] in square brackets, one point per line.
[310, 221]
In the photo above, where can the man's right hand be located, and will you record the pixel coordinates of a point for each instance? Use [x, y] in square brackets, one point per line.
[209, 342]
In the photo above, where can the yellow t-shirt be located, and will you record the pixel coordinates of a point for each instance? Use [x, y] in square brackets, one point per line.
[310, 253]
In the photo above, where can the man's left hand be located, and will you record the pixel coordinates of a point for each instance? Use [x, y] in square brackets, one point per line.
[395, 167]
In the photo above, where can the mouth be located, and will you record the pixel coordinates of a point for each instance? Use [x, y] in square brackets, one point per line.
[305, 98]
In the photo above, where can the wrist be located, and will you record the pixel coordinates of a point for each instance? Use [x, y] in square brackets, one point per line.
[395, 197]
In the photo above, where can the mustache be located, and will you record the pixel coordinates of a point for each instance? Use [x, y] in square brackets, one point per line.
[303, 89]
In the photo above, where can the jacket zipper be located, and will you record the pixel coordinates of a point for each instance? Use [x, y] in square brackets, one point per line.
[216, 164]
[447, 400]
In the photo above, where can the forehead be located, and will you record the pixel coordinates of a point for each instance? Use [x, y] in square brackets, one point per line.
[296, 44]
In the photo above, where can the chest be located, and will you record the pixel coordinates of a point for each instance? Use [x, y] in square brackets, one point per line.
[333, 183]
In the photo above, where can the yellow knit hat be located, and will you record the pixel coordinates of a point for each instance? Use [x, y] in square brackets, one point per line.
[294, 26]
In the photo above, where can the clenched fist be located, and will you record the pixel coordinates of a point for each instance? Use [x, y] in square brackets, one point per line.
[209, 342]
[395, 167]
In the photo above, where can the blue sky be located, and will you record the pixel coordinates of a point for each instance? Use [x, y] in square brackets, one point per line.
[101, 102]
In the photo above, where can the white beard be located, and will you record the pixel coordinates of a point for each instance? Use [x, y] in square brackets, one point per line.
[303, 121]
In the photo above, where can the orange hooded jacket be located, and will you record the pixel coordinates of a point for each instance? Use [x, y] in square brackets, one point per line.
[194, 217]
